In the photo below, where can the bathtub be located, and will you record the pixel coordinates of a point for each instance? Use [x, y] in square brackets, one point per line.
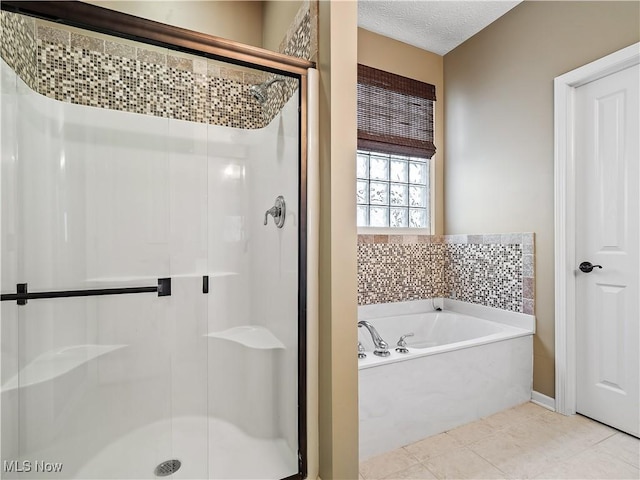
[464, 363]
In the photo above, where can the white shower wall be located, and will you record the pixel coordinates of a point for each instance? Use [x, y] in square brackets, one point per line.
[94, 198]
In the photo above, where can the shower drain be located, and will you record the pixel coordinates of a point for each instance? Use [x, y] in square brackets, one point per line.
[167, 468]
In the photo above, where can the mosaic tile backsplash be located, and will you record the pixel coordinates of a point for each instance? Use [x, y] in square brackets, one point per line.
[89, 70]
[492, 270]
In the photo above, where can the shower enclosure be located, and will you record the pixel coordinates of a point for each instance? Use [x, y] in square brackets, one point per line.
[153, 251]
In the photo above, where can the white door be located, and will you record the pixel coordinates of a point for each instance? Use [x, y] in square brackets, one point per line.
[607, 138]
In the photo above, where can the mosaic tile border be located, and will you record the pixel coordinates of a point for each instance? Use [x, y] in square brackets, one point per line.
[18, 45]
[90, 70]
[495, 270]
[299, 41]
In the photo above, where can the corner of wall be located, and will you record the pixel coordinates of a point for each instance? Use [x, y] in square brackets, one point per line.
[338, 393]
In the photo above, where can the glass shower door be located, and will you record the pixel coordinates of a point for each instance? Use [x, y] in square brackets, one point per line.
[106, 383]
[8, 264]
[253, 294]
[140, 212]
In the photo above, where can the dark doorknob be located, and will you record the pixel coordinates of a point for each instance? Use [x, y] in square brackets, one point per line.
[587, 267]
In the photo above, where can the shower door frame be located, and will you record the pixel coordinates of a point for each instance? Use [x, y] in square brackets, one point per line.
[110, 22]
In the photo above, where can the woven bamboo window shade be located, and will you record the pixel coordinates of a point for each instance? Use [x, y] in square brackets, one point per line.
[395, 114]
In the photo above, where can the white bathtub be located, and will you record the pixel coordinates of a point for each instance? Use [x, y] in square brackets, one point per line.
[459, 368]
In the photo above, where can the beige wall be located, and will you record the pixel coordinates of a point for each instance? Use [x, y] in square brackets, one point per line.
[258, 23]
[338, 402]
[499, 129]
[402, 59]
[232, 19]
[277, 16]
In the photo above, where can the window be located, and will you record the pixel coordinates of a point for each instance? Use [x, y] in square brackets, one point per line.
[395, 145]
[392, 191]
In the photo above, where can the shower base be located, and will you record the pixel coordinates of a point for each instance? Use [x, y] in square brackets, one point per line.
[208, 448]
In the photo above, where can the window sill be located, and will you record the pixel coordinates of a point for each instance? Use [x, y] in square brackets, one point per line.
[392, 231]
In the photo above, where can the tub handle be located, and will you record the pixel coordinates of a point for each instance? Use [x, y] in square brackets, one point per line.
[361, 353]
[402, 344]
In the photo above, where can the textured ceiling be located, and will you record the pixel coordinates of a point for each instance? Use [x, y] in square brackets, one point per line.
[436, 26]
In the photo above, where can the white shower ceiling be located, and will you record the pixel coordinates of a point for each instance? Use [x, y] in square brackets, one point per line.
[436, 26]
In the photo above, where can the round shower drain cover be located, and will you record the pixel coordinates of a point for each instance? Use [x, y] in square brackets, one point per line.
[167, 468]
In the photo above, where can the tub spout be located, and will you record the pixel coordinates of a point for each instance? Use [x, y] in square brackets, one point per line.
[382, 347]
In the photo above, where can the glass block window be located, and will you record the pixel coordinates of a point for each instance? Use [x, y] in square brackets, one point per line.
[392, 191]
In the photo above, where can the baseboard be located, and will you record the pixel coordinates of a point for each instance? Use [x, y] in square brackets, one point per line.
[544, 401]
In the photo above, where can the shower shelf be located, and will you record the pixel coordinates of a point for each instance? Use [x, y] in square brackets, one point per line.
[250, 336]
[55, 363]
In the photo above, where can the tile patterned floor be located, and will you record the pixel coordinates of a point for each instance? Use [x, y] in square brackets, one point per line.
[527, 441]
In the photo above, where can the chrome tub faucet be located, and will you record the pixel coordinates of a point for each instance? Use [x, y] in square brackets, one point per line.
[382, 347]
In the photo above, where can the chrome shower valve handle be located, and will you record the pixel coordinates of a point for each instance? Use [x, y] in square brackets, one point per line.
[278, 212]
[274, 212]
